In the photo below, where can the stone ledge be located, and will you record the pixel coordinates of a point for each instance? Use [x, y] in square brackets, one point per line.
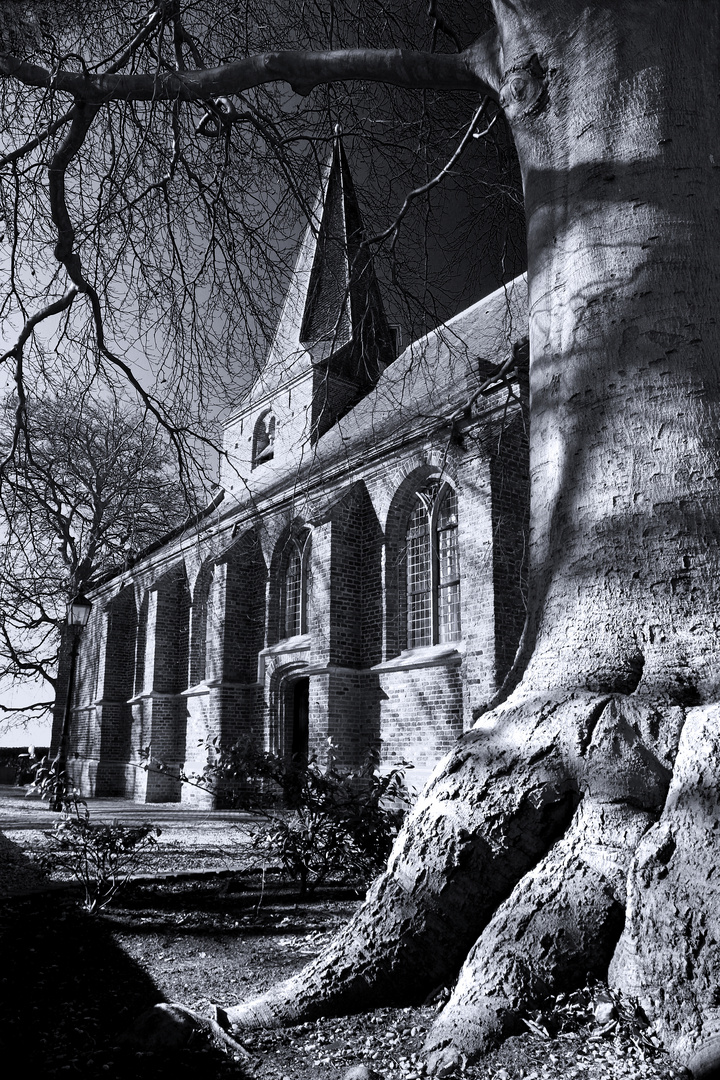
[299, 643]
[428, 656]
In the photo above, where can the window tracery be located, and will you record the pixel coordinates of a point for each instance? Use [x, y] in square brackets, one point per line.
[433, 568]
[295, 586]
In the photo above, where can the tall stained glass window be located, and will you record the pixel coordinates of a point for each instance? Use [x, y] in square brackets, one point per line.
[295, 585]
[433, 568]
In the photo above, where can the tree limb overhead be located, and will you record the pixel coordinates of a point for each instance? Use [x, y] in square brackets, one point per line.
[473, 69]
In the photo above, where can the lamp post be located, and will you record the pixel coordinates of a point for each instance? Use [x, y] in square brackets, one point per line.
[78, 613]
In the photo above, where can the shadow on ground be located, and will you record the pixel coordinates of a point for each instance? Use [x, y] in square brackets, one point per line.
[67, 992]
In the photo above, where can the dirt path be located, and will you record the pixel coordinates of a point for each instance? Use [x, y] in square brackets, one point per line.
[70, 985]
[190, 840]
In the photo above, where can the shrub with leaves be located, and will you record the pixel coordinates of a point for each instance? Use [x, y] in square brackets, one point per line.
[319, 823]
[100, 856]
[311, 847]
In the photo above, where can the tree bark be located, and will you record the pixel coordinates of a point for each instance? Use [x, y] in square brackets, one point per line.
[527, 835]
[669, 954]
[621, 194]
[491, 813]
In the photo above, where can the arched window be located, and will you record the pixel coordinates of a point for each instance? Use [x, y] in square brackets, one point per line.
[433, 568]
[295, 585]
[263, 439]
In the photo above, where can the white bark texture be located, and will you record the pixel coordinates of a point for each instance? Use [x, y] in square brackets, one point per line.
[621, 192]
[553, 814]
[669, 954]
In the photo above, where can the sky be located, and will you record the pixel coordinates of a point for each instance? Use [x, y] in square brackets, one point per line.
[459, 279]
[36, 733]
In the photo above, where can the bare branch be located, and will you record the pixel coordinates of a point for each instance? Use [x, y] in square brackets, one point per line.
[16, 353]
[392, 230]
[472, 69]
[83, 116]
[154, 19]
[441, 24]
[32, 144]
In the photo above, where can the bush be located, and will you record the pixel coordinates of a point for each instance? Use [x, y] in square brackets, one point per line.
[101, 857]
[311, 847]
[335, 824]
[317, 823]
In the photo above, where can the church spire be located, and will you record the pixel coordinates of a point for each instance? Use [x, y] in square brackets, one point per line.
[341, 279]
[333, 317]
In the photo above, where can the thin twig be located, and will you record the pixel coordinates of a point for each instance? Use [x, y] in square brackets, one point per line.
[392, 230]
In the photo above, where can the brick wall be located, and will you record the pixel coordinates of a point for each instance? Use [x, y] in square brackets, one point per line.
[160, 710]
[372, 540]
[199, 617]
[229, 707]
[346, 577]
[422, 712]
[240, 625]
[113, 716]
[364, 684]
[167, 651]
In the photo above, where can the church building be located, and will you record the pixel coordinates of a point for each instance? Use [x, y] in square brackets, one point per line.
[359, 580]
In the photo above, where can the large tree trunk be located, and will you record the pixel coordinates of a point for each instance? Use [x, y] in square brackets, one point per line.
[621, 193]
[553, 813]
[622, 197]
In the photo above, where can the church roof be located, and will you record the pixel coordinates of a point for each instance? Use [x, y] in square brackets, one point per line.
[434, 381]
[429, 386]
[333, 298]
[432, 378]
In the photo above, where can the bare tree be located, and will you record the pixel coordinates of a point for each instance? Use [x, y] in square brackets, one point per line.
[575, 826]
[94, 484]
[160, 225]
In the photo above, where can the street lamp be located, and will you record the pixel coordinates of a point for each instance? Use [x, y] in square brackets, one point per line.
[78, 613]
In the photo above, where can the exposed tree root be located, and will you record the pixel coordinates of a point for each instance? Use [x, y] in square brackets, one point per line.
[493, 809]
[560, 922]
[513, 869]
[490, 812]
[669, 954]
[173, 1027]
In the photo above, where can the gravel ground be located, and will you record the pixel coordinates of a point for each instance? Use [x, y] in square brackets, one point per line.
[71, 985]
[209, 941]
[390, 1048]
[18, 873]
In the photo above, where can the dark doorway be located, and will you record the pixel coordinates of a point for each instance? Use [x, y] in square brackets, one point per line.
[300, 715]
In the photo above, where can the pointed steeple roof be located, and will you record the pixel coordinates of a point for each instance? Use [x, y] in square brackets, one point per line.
[333, 304]
[336, 291]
